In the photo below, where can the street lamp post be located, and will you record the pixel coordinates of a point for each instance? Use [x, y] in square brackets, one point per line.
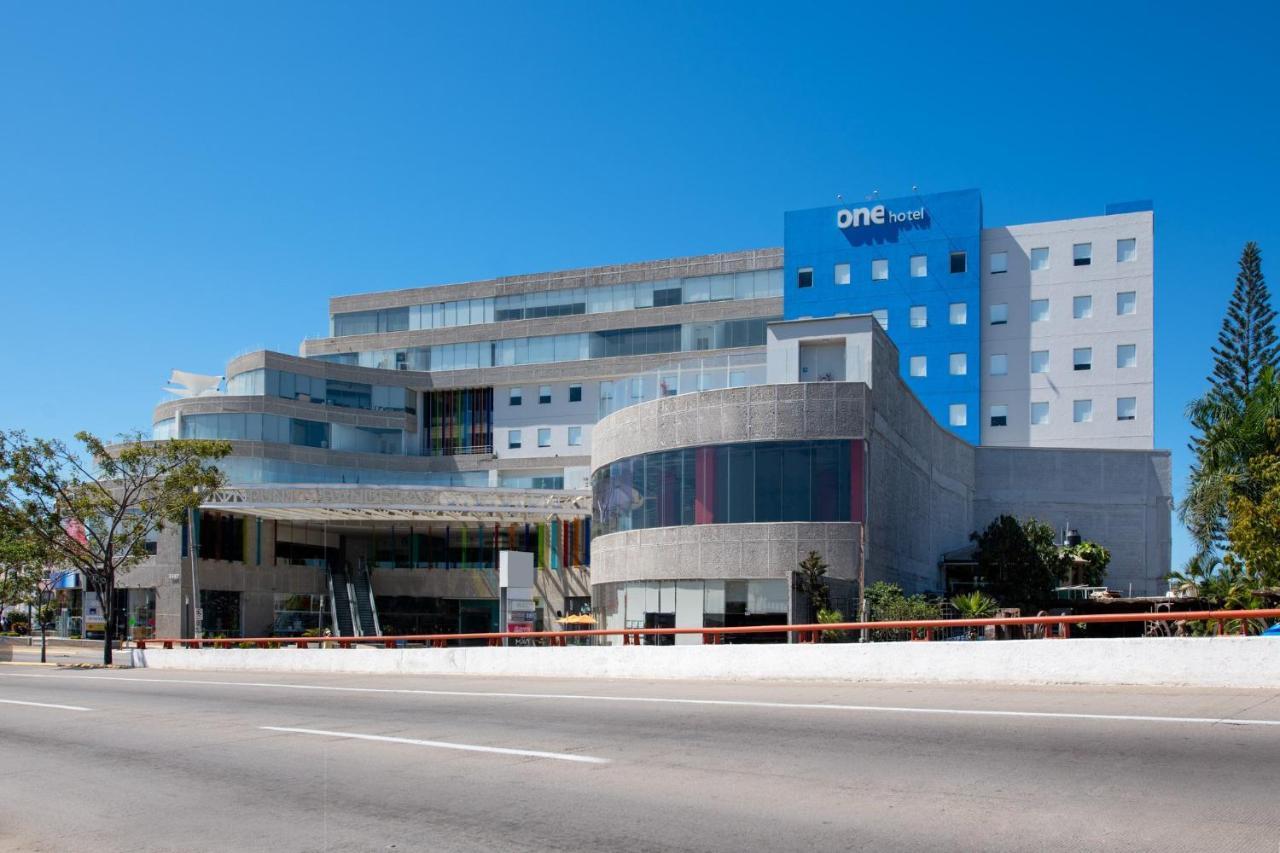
[193, 550]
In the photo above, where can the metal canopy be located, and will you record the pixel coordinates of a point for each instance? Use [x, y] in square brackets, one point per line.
[360, 503]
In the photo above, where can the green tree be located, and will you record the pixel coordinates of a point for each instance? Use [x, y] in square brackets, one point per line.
[1020, 561]
[1253, 519]
[974, 605]
[1247, 341]
[1232, 433]
[812, 579]
[1092, 559]
[27, 577]
[92, 510]
[886, 602]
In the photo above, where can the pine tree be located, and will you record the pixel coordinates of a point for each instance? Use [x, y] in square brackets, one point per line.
[1247, 342]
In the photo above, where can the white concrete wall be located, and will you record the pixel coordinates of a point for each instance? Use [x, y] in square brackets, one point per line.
[530, 415]
[1194, 662]
[1102, 279]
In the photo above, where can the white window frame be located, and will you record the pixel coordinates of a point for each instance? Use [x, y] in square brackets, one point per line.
[880, 269]
[918, 361]
[1132, 353]
[919, 266]
[962, 310]
[842, 271]
[958, 415]
[1133, 412]
[998, 263]
[544, 433]
[1133, 303]
[1087, 362]
[958, 360]
[920, 312]
[1082, 258]
[1132, 244]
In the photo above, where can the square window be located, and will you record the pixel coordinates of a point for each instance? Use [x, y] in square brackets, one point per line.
[959, 363]
[959, 314]
[1082, 307]
[999, 364]
[1040, 361]
[513, 439]
[1039, 310]
[919, 365]
[880, 270]
[1126, 408]
[1082, 411]
[517, 397]
[1039, 413]
[544, 394]
[544, 436]
[882, 317]
[575, 436]
[1127, 355]
[919, 266]
[1082, 358]
[999, 314]
[1040, 258]
[1126, 251]
[999, 416]
[842, 274]
[575, 393]
[1127, 302]
[1082, 254]
[999, 262]
[959, 262]
[919, 316]
[958, 414]
[804, 277]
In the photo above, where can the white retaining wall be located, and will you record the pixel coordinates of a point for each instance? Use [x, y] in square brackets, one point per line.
[1199, 662]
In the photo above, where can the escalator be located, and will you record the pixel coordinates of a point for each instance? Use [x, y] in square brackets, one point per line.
[340, 596]
[365, 609]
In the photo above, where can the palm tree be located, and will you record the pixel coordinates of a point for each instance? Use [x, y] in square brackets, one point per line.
[974, 605]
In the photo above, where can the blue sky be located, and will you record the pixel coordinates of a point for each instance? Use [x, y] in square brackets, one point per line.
[180, 183]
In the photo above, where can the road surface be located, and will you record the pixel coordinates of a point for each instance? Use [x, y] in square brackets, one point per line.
[115, 760]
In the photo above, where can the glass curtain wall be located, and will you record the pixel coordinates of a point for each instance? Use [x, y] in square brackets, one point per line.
[750, 482]
[760, 284]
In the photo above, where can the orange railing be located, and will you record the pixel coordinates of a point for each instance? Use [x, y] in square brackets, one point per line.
[1049, 627]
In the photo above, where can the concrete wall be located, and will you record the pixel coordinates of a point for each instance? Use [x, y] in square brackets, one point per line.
[1120, 498]
[1232, 662]
[1102, 279]
[920, 481]
[705, 551]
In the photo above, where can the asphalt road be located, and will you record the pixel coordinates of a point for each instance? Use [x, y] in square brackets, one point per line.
[139, 761]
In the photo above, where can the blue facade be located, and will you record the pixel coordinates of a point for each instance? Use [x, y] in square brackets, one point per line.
[896, 231]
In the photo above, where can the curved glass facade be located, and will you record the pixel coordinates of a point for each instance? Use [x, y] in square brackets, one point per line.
[759, 481]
